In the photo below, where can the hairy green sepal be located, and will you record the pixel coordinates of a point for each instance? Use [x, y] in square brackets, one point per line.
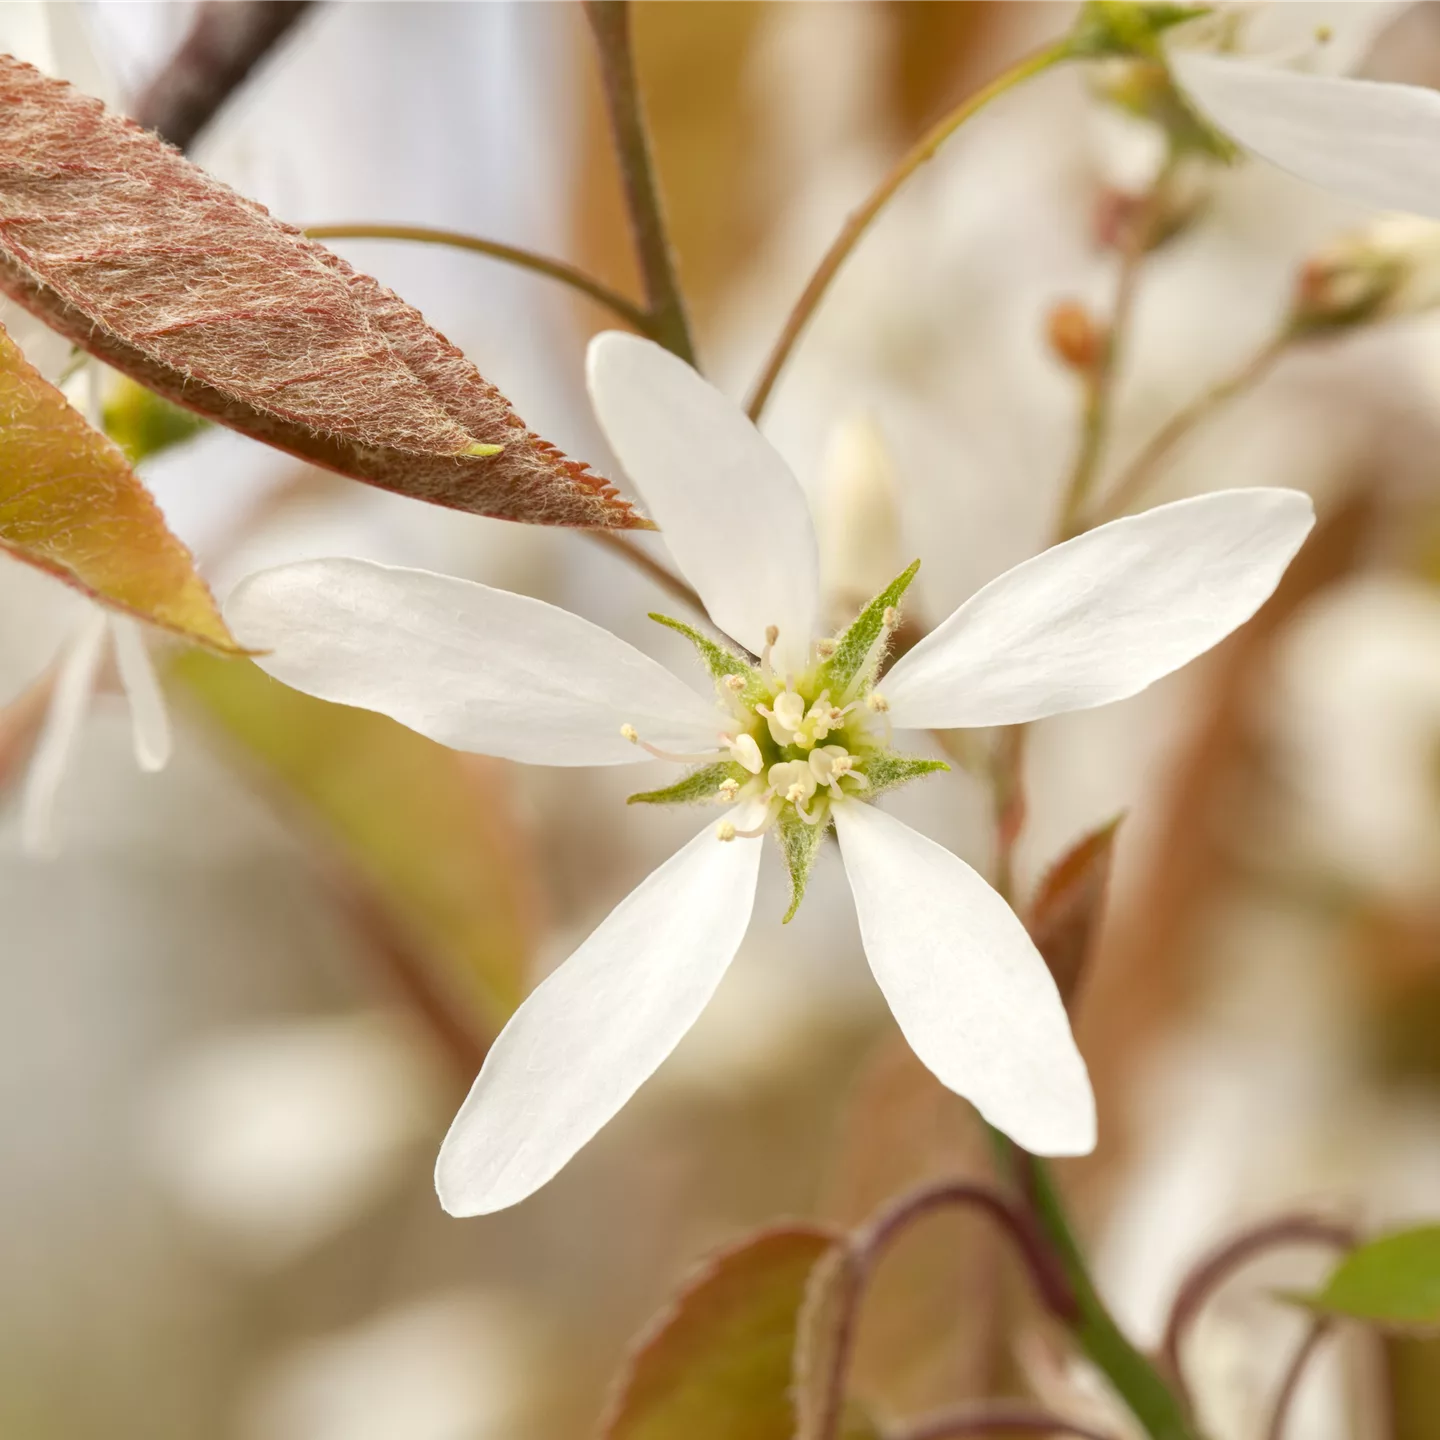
[696, 787]
[719, 660]
[886, 771]
[800, 844]
[857, 651]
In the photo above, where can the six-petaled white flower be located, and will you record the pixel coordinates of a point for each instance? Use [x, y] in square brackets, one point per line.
[797, 736]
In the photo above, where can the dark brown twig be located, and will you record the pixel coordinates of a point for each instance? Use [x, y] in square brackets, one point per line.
[227, 40]
[1217, 1267]
[995, 1417]
[1319, 1328]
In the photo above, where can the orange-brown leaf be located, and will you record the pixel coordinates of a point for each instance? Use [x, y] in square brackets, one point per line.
[1067, 906]
[71, 505]
[121, 244]
[718, 1363]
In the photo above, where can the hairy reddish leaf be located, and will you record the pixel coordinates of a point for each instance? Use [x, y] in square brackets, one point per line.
[71, 505]
[115, 240]
[823, 1337]
[1068, 904]
[718, 1362]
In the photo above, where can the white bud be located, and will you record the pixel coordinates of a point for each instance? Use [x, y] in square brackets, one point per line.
[858, 517]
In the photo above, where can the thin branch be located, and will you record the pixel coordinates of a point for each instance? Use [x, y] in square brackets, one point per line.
[869, 1245]
[1144, 468]
[225, 43]
[864, 216]
[632, 554]
[994, 1417]
[1136, 241]
[610, 24]
[1320, 1327]
[565, 273]
[1216, 1268]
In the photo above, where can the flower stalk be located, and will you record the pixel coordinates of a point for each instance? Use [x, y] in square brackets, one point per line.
[610, 23]
[869, 209]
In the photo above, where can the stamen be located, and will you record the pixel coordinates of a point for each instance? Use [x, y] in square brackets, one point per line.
[725, 831]
[734, 683]
[632, 735]
[826, 648]
[744, 751]
[877, 702]
[772, 634]
[728, 790]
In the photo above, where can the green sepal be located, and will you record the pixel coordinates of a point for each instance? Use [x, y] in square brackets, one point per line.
[856, 651]
[800, 844]
[719, 660]
[142, 424]
[696, 787]
[1121, 27]
[885, 770]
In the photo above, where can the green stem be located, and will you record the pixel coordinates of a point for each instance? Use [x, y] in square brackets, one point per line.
[610, 24]
[1133, 1377]
[861, 218]
[559, 270]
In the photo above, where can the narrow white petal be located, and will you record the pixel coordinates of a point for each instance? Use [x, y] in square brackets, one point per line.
[69, 704]
[734, 517]
[594, 1031]
[966, 984]
[1372, 141]
[1104, 615]
[474, 668]
[149, 719]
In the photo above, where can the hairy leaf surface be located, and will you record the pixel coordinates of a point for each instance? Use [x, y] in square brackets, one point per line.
[119, 243]
[71, 505]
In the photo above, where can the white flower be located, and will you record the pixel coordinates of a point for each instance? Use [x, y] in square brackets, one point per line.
[77, 670]
[1372, 141]
[1094, 620]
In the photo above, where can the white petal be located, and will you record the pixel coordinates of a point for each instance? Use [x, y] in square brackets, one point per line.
[1104, 615]
[149, 719]
[1371, 141]
[734, 517]
[966, 984]
[591, 1033]
[69, 704]
[474, 668]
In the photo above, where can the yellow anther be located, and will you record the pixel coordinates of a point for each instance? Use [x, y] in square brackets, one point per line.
[734, 683]
[825, 648]
[630, 733]
[877, 702]
[724, 831]
[772, 634]
[728, 790]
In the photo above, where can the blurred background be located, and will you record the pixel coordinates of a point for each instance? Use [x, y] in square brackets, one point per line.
[240, 1006]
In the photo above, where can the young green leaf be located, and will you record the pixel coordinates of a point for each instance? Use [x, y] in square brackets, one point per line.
[717, 1363]
[800, 844]
[1392, 1281]
[136, 255]
[142, 424]
[859, 650]
[71, 505]
[698, 787]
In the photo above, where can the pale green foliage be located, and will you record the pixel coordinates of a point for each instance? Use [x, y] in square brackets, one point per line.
[696, 788]
[859, 650]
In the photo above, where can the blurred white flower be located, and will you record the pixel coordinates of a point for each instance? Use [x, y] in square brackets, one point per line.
[276, 1137]
[450, 1367]
[858, 520]
[1089, 622]
[1357, 708]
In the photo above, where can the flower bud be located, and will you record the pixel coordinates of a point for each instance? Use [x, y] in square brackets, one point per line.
[1389, 269]
[858, 519]
[1076, 339]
